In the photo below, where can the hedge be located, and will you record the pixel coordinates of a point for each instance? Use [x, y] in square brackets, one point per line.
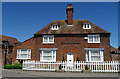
[13, 66]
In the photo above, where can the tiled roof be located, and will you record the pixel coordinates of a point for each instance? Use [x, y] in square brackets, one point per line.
[77, 28]
[113, 49]
[10, 39]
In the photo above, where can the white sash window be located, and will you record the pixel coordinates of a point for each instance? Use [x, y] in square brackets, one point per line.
[24, 54]
[48, 55]
[48, 39]
[93, 39]
[94, 55]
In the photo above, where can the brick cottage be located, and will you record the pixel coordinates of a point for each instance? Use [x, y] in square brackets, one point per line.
[68, 40]
[7, 44]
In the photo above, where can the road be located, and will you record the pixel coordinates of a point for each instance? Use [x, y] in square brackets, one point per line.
[20, 73]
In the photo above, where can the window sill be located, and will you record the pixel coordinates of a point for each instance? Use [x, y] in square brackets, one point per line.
[86, 28]
[94, 42]
[47, 43]
[54, 29]
[46, 61]
[93, 61]
[23, 58]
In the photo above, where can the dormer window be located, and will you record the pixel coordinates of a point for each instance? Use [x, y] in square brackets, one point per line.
[86, 26]
[54, 27]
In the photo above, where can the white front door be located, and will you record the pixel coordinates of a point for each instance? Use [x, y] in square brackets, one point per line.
[70, 59]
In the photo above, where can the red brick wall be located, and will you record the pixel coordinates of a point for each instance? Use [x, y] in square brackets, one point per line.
[75, 44]
[115, 57]
[29, 44]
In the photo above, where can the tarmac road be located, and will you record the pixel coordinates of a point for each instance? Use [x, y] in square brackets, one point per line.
[20, 73]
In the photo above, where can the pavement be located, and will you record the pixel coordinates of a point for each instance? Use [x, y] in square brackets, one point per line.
[20, 73]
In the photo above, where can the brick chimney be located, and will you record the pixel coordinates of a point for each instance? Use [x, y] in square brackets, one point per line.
[69, 12]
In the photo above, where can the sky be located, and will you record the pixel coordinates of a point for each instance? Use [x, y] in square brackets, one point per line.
[23, 19]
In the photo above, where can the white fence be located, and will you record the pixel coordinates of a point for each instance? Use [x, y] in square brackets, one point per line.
[107, 66]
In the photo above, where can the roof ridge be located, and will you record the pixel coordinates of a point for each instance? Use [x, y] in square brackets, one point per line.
[8, 36]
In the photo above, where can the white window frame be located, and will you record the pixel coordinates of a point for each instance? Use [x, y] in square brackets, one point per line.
[54, 27]
[89, 59]
[70, 25]
[86, 26]
[19, 54]
[48, 39]
[42, 53]
[93, 39]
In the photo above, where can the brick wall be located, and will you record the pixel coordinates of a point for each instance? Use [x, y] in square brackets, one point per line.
[115, 57]
[65, 44]
[28, 44]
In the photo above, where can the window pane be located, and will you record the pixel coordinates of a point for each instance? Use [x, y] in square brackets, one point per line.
[90, 38]
[96, 38]
[23, 56]
[95, 53]
[50, 39]
[53, 55]
[87, 56]
[45, 39]
[86, 25]
[18, 55]
[95, 58]
[47, 55]
[53, 26]
[56, 26]
[23, 53]
[40, 55]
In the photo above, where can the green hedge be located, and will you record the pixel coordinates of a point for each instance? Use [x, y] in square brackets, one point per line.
[13, 66]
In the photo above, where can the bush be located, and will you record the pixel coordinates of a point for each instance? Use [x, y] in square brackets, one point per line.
[13, 66]
[9, 66]
[63, 59]
[77, 59]
[60, 67]
[86, 67]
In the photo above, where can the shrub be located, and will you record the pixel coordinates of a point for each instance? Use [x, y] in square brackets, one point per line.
[17, 66]
[77, 59]
[13, 66]
[63, 59]
[86, 67]
[9, 66]
[60, 67]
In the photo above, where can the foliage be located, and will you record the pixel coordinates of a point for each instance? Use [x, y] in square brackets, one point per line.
[63, 59]
[86, 67]
[77, 59]
[8, 66]
[60, 67]
[13, 66]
